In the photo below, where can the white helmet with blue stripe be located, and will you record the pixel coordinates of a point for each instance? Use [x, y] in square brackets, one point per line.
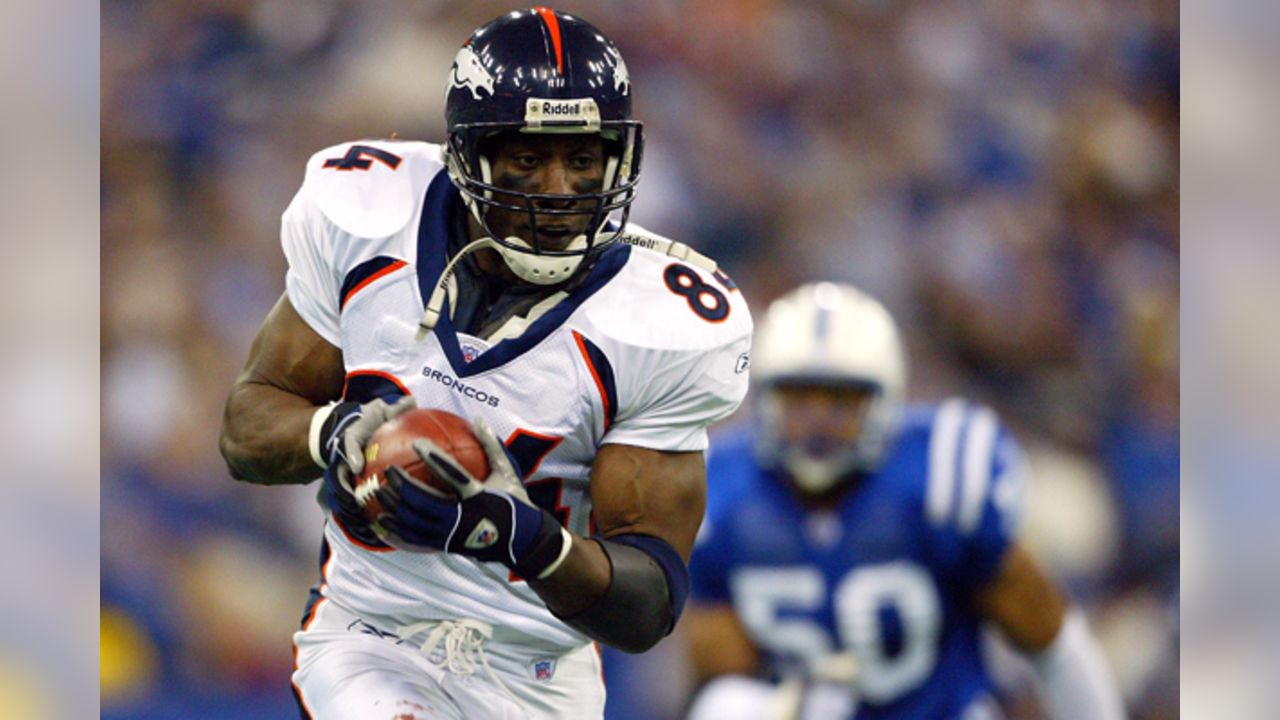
[828, 335]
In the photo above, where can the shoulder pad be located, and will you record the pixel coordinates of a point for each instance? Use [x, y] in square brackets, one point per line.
[370, 188]
[642, 309]
[636, 236]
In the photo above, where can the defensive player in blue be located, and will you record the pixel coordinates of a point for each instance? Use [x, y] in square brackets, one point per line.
[860, 547]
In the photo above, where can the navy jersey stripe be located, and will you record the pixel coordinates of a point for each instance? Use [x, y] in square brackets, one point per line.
[610, 262]
[602, 372]
[365, 274]
[325, 554]
[313, 598]
[441, 201]
[438, 215]
[297, 698]
[365, 385]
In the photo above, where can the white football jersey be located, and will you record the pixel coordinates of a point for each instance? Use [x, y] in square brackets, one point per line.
[647, 351]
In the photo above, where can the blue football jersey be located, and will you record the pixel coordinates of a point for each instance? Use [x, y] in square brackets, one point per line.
[888, 573]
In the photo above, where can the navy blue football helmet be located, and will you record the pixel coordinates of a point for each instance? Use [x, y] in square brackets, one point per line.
[542, 71]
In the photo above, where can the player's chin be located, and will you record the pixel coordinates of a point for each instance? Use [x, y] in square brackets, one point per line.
[552, 239]
[556, 241]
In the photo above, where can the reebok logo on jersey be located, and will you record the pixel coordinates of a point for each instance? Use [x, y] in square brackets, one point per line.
[468, 391]
[485, 535]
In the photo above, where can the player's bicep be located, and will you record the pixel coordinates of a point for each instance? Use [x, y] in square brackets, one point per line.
[289, 355]
[637, 490]
[1022, 601]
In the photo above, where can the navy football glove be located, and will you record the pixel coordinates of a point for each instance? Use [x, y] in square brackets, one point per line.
[342, 439]
[493, 520]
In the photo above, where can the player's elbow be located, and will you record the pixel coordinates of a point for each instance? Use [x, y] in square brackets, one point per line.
[236, 456]
[645, 631]
[646, 593]
[243, 460]
[640, 644]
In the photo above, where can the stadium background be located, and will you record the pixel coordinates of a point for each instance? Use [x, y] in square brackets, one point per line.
[1003, 174]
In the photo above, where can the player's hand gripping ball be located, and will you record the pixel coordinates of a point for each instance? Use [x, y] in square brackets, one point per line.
[392, 445]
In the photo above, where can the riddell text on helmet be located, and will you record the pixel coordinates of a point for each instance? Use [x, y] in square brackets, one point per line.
[565, 108]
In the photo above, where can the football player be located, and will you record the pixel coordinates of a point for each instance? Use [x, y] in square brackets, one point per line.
[494, 276]
[858, 549]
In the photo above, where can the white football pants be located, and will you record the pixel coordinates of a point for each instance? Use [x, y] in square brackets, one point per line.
[351, 668]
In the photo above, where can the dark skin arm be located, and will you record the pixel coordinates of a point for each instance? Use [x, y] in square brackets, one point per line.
[633, 490]
[290, 371]
[1023, 602]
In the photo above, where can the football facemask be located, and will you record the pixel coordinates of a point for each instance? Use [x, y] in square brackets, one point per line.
[542, 71]
[830, 336]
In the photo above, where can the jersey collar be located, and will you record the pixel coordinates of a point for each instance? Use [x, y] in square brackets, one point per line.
[441, 204]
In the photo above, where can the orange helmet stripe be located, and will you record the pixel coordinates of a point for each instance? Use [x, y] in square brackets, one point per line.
[549, 17]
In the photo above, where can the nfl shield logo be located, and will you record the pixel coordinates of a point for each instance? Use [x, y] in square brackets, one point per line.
[483, 536]
[543, 669]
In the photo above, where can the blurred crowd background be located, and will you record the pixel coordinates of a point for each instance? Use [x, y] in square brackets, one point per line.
[1002, 173]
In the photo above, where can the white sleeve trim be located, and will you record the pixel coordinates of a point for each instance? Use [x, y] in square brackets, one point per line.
[313, 434]
[1074, 674]
[564, 553]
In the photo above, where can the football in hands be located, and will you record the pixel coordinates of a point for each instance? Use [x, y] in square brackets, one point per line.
[392, 444]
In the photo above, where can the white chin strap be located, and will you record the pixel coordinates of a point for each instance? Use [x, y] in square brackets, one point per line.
[542, 269]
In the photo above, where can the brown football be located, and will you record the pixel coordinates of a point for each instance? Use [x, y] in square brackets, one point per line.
[392, 444]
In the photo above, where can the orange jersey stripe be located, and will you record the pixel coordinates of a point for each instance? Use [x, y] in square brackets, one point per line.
[367, 281]
[604, 396]
[376, 373]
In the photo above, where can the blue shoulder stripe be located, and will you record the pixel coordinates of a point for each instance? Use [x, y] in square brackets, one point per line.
[365, 385]
[365, 274]
[602, 373]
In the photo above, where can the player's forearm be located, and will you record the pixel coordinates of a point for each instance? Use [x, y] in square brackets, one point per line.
[645, 583]
[579, 581]
[265, 435]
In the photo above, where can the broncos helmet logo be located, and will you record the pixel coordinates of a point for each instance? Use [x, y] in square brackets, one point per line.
[469, 73]
[621, 78]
